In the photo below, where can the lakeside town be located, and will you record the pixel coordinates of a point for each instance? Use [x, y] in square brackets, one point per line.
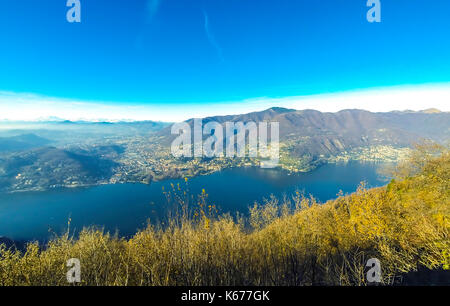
[140, 160]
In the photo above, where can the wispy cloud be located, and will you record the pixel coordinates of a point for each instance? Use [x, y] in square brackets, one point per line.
[211, 37]
[152, 7]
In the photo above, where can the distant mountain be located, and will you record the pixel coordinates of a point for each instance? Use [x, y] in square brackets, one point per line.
[22, 142]
[317, 133]
[92, 153]
[84, 122]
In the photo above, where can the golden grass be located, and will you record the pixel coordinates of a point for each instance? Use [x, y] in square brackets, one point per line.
[297, 242]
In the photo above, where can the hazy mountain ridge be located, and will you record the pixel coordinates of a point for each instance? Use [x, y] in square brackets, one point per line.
[347, 122]
[22, 142]
[100, 153]
[319, 133]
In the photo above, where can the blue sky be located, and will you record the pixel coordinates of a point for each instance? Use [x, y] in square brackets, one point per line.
[205, 53]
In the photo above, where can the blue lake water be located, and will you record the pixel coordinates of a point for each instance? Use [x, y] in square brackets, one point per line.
[128, 207]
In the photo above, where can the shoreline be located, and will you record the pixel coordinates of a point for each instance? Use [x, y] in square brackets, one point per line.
[279, 168]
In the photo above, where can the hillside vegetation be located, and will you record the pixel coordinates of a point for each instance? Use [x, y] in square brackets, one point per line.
[295, 241]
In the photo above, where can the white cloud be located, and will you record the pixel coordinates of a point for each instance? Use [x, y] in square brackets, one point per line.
[417, 97]
[20, 106]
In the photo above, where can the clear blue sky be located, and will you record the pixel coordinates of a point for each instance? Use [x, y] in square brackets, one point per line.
[185, 51]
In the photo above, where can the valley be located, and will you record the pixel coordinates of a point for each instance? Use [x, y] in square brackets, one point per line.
[75, 154]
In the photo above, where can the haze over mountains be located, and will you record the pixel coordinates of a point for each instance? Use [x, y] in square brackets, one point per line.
[42, 155]
[21, 142]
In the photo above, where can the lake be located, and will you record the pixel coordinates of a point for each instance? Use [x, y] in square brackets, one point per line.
[128, 207]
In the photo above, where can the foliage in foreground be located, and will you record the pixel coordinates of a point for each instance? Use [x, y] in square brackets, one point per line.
[297, 242]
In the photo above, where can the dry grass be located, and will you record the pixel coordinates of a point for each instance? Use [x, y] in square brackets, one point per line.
[297, 242]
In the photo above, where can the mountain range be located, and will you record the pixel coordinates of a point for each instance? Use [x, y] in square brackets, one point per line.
[317, 133]
[79, 154]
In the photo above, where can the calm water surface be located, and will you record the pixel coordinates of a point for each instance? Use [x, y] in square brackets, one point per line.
[126, 208]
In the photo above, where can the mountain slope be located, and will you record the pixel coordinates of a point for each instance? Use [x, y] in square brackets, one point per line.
[21, 142]
[316, 133]
[53, 167]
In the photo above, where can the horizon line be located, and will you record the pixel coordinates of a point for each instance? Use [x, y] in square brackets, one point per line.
[400, 98]
[62, 120]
